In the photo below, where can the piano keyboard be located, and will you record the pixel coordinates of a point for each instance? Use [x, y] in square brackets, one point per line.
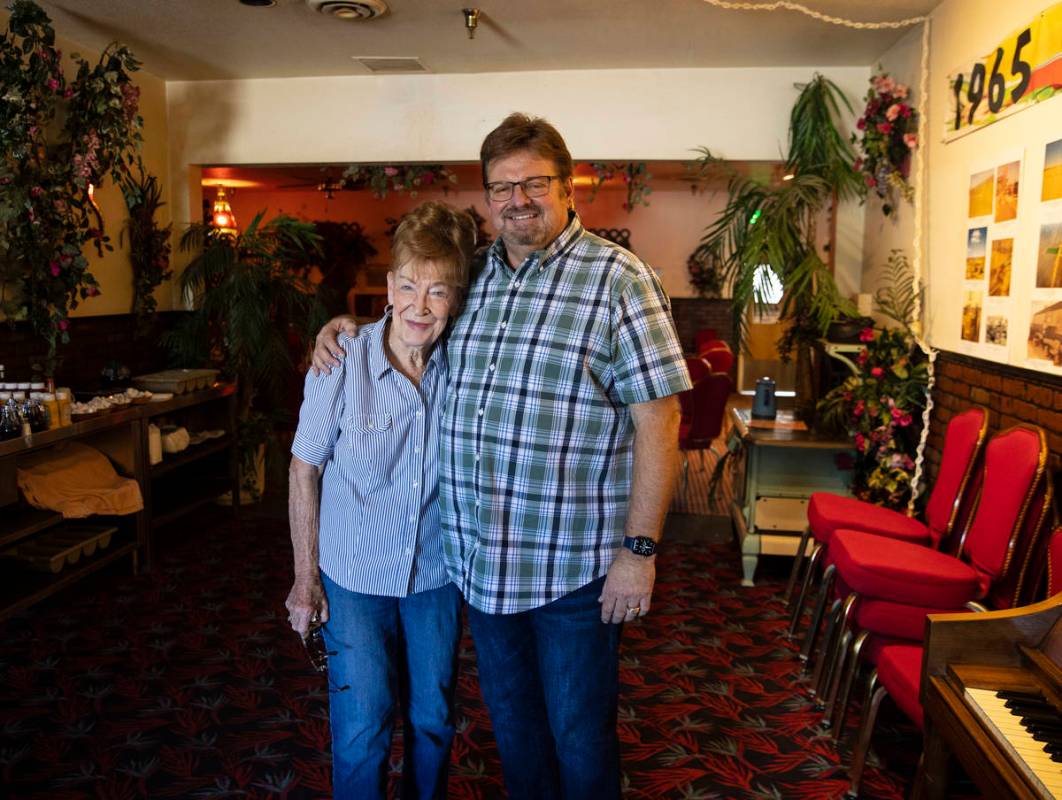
[1030, 728]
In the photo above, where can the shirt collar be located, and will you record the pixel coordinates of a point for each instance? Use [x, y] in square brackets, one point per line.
[549, 253]
[380, 364]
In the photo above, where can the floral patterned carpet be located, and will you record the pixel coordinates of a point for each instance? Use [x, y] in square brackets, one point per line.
[186, 683]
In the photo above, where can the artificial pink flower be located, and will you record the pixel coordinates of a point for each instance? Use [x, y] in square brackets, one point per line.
[68, 93]
[900, 91]
[885, 127]
[866, 335]
[36, 191]
[861, 359]
[857, 410]
[390, 172]
[897, 413]
[893, 112]
[886, 85]
[858, 165]
[870, 181]
[91, 291]
[877, 372]
[64, 324]
[905, 110]
[861, 123]
[905, 420]
[860, 442]
[427, 179]
[53, 84]
[911, 140]
[54, 265]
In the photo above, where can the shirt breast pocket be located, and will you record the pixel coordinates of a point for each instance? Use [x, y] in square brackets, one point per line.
[373, 443]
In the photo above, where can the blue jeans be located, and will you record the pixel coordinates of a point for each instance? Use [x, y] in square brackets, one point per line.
[550, 677]
[382, 649]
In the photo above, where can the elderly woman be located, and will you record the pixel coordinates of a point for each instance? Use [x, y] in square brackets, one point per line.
[368, 547]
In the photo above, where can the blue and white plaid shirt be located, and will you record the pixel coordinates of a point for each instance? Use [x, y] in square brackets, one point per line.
[378, 437]
[538, 439]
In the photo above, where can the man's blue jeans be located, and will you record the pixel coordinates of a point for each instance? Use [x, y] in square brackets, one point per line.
[550, 677]
[382, 649]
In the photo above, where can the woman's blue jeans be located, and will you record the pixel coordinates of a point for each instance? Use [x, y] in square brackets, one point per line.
[382, 650]
[550, 677]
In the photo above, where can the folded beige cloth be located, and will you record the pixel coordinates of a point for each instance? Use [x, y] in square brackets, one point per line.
[77, 481]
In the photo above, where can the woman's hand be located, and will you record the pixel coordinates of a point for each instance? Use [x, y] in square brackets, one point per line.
[326, 351]
[306, 603]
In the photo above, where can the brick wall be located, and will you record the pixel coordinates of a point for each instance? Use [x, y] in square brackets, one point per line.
[693, 313]
[94, 343]
[1011, 394]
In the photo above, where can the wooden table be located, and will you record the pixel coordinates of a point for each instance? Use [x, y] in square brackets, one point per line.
[783, 466]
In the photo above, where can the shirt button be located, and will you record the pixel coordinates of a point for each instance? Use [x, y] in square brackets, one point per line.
[481, 412]
[491, 368]
[477, 456]
[416, 449]
[420, 413]
[412, 518]
[416, 484]
[504, 323]
[409, 551]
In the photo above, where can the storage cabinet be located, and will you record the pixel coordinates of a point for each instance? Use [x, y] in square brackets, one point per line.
[180, 483]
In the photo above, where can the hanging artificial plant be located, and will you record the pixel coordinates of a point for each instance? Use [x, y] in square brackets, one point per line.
[381, 179]
[58, 137]
[888, 134]
[149, 244]
[635, 175]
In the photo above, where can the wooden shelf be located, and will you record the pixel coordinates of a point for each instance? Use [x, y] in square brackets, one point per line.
[22, 588]
[20, 523]
[192, 454]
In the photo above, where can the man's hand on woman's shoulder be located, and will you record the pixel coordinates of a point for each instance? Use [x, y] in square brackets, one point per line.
[326, 350]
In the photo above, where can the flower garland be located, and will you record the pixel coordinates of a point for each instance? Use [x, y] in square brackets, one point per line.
[149, 244]
[397, 177]
[47, 213]
[635, 174]
[878, 407]
[705, 275]
[888, 126]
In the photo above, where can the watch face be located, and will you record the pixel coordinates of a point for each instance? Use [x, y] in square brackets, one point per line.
[642, 546]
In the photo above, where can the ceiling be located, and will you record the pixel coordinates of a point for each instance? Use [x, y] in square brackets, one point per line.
[219, 39]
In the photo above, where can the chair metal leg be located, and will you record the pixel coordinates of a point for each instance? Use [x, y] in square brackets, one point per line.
[830, 659]
[798, 565]
[871, 705]
[685, 474]
[840, 709]
[824, 598]
[805, 588]
[832, 681]
[827, 642]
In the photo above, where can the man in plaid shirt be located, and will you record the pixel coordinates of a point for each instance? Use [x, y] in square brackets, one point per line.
[559, 454]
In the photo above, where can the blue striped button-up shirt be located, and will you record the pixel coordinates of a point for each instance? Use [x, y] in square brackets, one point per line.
[378, 436]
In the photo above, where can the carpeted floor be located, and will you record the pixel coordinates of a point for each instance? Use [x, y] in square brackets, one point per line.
[186, 683]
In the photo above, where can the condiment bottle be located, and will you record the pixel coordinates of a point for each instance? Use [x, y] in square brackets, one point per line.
[62, 398]
[51, 409]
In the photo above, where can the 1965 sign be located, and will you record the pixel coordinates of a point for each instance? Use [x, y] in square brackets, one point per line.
[1024, 69]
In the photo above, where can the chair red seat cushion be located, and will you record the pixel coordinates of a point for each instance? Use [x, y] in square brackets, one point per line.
[829, 513]
[900, 672]
[877, 566]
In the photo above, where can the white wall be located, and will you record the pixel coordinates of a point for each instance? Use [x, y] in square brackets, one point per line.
[603, 114]
[961, 31]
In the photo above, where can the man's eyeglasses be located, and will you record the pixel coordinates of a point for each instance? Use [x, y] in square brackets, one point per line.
[316, 650]
[535, 186]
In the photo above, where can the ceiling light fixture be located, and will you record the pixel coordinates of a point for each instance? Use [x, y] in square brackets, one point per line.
[350, 10]
[259, 3]
[471, 21]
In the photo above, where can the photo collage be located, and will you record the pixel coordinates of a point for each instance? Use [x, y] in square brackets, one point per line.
[1045, 317]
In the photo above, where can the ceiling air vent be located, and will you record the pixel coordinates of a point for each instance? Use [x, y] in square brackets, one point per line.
[390, 64]
[349, 9]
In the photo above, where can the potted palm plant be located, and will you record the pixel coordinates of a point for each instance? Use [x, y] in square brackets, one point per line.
[776, 224]
[251, 312]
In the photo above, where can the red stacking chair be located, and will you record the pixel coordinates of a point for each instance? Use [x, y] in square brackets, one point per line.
[718, 354]
[698, 368]
[890, 586]
[900, 673]
[828, 513]
[702, 416]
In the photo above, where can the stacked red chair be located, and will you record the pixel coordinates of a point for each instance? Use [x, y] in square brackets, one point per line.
[899, 674]
[703, 408]
[828, 513]
[891, 586]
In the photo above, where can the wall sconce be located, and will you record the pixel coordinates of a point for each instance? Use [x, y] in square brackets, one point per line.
[222, 218]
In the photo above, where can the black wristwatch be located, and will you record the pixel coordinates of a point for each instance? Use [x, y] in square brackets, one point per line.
[640, 545]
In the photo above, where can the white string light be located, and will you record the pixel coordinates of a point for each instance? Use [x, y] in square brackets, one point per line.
[919, 198]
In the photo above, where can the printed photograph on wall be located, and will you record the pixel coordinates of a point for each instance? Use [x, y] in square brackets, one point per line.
[1052, 185]
[1007, 178]
[981, 193]
[976, 239]
[1049, 255]
[1000, 267]
[996, 330]
[971, 315]
[1045, 332]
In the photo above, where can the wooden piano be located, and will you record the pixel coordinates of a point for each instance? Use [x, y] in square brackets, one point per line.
[992, 694]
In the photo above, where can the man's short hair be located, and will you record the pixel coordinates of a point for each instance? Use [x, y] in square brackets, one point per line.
[439, 233]
[520, 132]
